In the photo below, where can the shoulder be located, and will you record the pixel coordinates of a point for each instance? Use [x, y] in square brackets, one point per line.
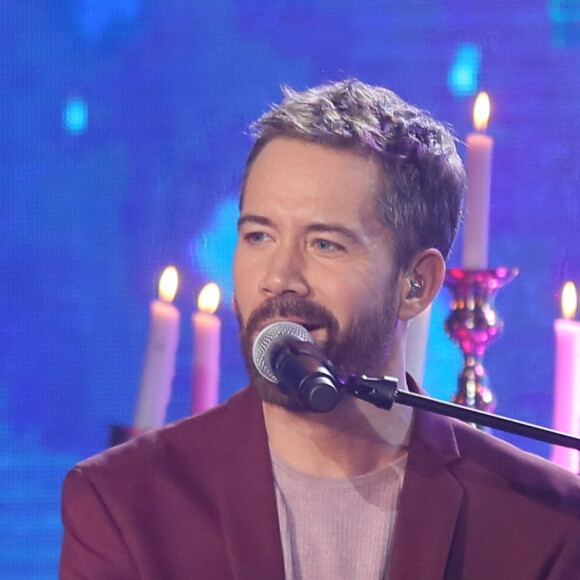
[510, 462]
[483, 461]
[487, 462]
[124, 507]
[201, 440]
[497, 498]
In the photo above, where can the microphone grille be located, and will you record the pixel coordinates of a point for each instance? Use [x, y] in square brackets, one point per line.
[268, 338]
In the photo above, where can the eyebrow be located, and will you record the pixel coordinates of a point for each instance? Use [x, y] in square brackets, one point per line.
[334, 229]
[254, 219]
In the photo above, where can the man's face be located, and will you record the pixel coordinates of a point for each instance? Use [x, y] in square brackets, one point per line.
[311, 250]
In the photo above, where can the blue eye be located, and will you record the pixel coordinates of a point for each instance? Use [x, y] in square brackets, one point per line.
[255, 237]
[328, 246]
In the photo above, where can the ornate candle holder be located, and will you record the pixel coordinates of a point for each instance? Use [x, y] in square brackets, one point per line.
[474, 324]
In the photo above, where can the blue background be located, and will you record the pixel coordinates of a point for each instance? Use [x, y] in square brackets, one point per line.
[124, 133]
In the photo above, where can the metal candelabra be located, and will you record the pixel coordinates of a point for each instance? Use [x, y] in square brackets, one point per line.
[474, 324]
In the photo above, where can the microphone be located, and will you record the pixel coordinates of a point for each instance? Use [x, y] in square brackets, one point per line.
[285, 353]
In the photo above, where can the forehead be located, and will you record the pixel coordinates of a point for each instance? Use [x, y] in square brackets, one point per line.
[293, 174]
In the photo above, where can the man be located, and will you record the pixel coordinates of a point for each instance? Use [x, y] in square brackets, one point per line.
[350, 203]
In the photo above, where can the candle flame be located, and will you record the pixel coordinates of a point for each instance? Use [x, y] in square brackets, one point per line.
[168, 284]
[569, 300]
[209, 298]
[481, 111]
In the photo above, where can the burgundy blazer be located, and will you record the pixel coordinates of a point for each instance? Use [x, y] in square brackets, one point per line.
[196, 500]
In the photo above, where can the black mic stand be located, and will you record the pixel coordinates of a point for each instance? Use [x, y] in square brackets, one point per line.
[383, 393]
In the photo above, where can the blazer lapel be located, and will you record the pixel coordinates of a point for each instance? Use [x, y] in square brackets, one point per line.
[428, 510]
[430, 502]
[247, 501]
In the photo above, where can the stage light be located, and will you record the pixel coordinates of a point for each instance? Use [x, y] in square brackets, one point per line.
[75, 115]
[565, 17]
[463, 74]
[97, 17]
[212, 250]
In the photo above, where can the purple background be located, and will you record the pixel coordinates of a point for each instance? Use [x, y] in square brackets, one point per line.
[124, 133]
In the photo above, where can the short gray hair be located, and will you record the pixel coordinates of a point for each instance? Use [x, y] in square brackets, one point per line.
[424, 183]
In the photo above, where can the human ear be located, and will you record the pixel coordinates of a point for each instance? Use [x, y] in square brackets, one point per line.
[419, 286]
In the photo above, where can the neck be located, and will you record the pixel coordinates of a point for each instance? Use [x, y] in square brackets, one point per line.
[353, 439]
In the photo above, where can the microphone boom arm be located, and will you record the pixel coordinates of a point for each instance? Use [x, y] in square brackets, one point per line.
[383, 392]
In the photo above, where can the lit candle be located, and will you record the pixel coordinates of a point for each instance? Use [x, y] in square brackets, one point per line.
[206, 359]
[416, 347]
[159, 367]
[476, 222]
[567, 378]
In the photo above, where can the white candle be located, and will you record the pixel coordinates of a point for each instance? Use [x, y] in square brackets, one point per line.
[206, 359]
[416, 347]
[159, 367]
[567, 379]
[476, 209]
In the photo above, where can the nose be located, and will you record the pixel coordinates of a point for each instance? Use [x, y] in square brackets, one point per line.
[285, 273]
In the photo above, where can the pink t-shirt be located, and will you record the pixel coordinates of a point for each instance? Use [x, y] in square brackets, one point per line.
[337, 528]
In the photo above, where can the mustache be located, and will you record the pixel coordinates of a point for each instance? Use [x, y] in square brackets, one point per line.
[291, 306]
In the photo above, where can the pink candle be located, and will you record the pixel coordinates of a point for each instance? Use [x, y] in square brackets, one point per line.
[567, 379]
[206, 359]
[159, 367]
[476, 209]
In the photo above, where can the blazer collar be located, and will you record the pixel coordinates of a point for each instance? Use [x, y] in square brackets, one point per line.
[428, 509]
[430, 500]
[246, 498]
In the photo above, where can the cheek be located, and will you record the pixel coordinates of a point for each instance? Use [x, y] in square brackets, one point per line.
[354, 294]
[241, 266]
[341, 295]
[245, 287]
[238, 278]
[236, 268]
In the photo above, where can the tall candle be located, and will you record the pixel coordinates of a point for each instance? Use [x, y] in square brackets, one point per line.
[416, 347]
[567, 379]
[206, 358]
[476, 209]
[159, 367]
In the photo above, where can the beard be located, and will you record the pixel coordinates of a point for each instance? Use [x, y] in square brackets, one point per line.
[360, 348]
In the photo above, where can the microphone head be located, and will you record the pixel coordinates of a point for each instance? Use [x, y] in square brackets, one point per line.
[267, 340]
